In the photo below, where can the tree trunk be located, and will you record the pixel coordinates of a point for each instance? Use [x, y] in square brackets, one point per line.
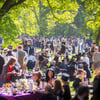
[36, 16]
[8, 4]
[98, 37]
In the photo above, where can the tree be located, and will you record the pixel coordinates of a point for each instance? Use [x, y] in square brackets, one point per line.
[92, 17]
[7, 5]
[34, 16]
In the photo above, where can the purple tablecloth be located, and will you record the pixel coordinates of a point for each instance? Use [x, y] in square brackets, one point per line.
[34, 96]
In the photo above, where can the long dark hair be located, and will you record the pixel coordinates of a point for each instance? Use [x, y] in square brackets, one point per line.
[96, 88]
[47, 77]
[57, 86]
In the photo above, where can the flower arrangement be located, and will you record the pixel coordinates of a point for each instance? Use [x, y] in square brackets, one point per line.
[20, 86]
[25, 84]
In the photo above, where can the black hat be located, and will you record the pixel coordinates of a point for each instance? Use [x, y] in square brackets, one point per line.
[10, 46]
[94, 43]
[65, 77]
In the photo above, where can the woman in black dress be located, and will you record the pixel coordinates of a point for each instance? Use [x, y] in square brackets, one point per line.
[67, 93]
[48, 93]
[58, 89]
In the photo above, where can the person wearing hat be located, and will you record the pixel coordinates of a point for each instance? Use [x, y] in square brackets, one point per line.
[65, 81]
[10, 51]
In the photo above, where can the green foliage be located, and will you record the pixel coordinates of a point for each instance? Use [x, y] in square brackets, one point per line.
[49, 17]
[9, 31]
[37, 17]
[93, 16]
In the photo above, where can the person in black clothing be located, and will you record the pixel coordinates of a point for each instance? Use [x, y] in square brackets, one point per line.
[41, 57]
[63, 64]
[48, 94]
[47, 43]
[76, 83]
[85, 67]
[73, 46]
[93, 46]
[90, 54]
[67, 94]
[52, 47]
[63, 47]
[96, 88]
[10, 51]
[56, 58]
[31, 49]
[1, 63]
[58, 89]
[25, 45]
[82, 94]
[42, 45]
[78, 56]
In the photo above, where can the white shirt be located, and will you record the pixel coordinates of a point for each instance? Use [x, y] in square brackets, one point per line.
[86, 59]
[32, 58]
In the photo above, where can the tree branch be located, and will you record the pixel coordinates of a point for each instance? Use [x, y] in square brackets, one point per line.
[19, 2]
[7, 6]
[51, 10]
[36, 15]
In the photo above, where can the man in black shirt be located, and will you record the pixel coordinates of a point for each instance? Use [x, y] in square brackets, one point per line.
[93, 46]
[31, 49]
[67, 94]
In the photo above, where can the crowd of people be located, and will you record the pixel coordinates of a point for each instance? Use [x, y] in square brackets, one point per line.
[72, 59]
